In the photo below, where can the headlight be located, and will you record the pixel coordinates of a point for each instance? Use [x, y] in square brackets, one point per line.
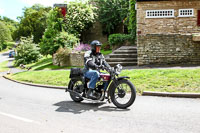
[118, 68]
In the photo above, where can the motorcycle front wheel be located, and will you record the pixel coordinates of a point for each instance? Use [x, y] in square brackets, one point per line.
[123, 94]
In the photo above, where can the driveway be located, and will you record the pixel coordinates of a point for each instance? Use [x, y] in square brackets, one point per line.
[27, 109]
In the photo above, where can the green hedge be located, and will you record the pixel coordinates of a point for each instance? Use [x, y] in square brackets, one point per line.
[120, 39]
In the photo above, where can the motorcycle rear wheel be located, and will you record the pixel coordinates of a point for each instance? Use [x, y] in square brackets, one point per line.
[75, 87]
[124, 91]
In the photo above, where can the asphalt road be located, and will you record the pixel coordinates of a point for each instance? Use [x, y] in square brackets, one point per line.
[27, 109]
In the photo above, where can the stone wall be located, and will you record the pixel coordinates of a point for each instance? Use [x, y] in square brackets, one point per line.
[176, 25]
[71, 59]
[168, 40]
[168, 49]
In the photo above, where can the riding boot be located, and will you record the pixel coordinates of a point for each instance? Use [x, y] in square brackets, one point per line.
[90, 94]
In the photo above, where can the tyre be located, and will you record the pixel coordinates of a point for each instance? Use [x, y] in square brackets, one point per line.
[75, 86]
[123, 94]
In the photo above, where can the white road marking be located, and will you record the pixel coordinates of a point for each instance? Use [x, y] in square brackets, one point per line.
[19, 118]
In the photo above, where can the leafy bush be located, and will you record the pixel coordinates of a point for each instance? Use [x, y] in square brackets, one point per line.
[10, 44]
[79, 17]
[120, 39]
[65, 39]
[82, 47]
[105, 47]
[3, 46]
[27, 52]
[7, 45]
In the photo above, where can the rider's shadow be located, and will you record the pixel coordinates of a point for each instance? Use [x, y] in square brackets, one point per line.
[78, 108]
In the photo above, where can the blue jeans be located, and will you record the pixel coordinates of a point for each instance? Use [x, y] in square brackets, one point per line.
[93, 75]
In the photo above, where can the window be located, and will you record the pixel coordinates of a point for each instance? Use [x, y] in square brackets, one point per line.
[160, 13]
[186, 12]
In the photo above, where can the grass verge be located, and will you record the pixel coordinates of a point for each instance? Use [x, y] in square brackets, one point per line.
[162, 80]
[57, 78]
[3, 66]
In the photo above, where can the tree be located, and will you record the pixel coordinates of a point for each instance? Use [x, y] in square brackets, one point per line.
[55, 35]
[111, 13]
[33, 22]
[55, 22]
[11, 24]
[80, 16]
[5, 35]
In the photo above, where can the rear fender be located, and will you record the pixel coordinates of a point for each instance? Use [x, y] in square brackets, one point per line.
[71, 83]
[69, 86]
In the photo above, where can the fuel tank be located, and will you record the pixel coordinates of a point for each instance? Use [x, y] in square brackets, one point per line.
[105, 76]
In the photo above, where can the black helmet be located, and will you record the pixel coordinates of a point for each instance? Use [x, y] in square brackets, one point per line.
[93, 45]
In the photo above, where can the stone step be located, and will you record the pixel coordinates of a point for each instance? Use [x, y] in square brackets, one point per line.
[123, 55]
[123, 63]
[125, 51]
[121, 59]
[128, 48]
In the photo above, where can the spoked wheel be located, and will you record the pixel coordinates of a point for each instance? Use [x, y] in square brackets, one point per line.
[124, 94]
[76, 87]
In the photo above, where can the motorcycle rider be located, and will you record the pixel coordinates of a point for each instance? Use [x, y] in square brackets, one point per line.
[94, 60]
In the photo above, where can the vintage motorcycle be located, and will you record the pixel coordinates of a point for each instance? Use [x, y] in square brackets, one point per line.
[110, 86]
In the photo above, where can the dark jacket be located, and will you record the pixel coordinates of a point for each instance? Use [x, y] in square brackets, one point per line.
[93, 61]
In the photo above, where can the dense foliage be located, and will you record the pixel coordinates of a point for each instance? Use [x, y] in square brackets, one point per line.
[11, 24]
[119, 39]
[5, 35]
[27, 52]
[132, 18]
[55, 36]
[79, 17]
[33, 22]
[112, 13]
[64, 39]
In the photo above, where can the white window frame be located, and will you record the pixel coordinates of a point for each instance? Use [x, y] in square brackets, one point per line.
[167, 13]
[187, 15]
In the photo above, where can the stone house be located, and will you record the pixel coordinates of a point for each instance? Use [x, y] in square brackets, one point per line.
[167, 32]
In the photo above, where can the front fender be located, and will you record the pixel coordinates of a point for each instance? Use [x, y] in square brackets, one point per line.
[123, 77]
